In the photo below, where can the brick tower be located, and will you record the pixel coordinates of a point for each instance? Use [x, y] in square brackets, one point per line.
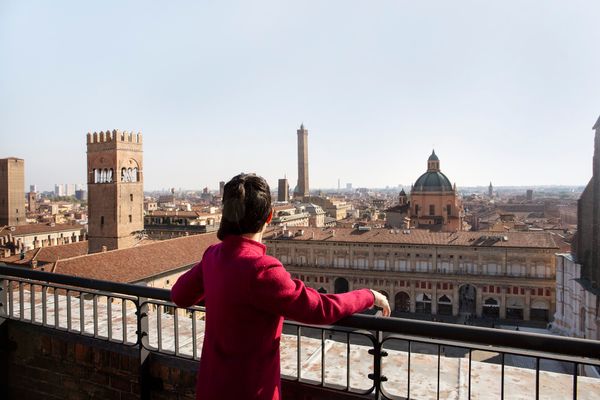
[302, 191]
[115, 189]
[12, 191]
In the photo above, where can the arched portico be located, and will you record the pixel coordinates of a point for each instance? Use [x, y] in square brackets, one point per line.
[402, 302]
[341, 285]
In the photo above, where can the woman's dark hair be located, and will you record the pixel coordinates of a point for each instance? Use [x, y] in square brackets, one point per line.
[246, 205]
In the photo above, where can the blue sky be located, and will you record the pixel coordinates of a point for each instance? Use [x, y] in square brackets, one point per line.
[505, 92]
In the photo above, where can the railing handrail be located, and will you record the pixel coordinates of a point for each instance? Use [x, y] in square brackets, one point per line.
[534, 342]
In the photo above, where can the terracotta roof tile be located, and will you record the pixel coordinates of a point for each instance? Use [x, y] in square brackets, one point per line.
[50, 254]
[138, 263]
[421, 237]
[31, 229]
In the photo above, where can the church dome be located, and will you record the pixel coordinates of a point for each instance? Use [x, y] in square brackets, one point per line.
[434, 181]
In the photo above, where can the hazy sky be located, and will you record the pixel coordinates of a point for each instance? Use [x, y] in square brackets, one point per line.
[505, 92]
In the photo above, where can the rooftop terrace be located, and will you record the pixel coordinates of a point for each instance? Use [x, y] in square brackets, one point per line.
[64, 330]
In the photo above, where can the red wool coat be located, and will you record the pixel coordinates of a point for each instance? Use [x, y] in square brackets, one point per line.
[247, 294]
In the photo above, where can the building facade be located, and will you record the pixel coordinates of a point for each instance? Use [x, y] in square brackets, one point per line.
[12, 192]
[510, 276]
[335, 208]
[578, 304]
[32, 236]
[115, 189]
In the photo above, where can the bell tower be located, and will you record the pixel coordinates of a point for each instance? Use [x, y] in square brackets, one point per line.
[115, 189]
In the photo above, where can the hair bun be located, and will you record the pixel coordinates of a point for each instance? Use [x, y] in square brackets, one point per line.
[234, 207]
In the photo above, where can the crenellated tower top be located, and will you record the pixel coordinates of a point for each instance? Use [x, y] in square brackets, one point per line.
[114, 136]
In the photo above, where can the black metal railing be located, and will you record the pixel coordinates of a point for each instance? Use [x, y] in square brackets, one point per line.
[380, 357]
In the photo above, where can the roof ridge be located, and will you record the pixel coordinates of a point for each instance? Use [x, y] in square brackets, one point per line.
[36, 253]
[54, 266]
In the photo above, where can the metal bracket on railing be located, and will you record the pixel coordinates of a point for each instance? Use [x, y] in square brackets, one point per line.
[377, 377]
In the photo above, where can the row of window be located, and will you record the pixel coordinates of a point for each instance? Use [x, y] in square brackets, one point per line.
[513, 290]
[106, 175]
[102, 219]
[539, 270]
[432, 209]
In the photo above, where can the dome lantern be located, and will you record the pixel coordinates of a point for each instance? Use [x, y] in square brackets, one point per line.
[433, 180]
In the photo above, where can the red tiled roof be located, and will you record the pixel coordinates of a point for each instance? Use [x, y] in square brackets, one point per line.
[32, 229]
[49, 254]
[421, 237]
[138, 263]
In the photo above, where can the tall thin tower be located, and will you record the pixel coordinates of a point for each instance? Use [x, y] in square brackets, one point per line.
[302, 190]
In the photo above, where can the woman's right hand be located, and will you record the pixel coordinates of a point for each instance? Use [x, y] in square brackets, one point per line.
[382, 302]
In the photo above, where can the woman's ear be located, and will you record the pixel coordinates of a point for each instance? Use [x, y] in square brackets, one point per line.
[269, 218]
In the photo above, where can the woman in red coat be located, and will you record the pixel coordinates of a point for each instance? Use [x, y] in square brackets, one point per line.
[247, 295]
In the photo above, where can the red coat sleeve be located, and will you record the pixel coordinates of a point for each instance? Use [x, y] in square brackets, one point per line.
[189, 288]
[275, 291]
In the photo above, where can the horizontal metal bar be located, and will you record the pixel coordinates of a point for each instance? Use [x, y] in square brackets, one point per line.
[108, 286]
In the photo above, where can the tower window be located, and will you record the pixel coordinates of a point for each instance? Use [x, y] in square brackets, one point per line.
[431, 209]
[131, 197]
[130, 219]
[102, 220]
[449, 209]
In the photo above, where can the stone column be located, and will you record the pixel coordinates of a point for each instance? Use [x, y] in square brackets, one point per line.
[479, 301]
[455, 300]
[434, 298]
[392, 290]
[503, 302]
[552, 302]
[413, 299]
[527, 307]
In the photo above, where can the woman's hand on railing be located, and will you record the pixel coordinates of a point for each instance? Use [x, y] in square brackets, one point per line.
[382, 302]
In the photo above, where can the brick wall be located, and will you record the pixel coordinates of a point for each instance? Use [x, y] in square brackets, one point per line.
[44, 363]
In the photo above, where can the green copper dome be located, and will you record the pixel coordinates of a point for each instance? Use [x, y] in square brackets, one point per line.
[432, 181]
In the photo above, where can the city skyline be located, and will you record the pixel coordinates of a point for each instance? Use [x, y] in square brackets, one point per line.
[498, 91]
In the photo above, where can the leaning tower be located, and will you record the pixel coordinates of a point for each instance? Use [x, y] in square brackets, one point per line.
[115, 189]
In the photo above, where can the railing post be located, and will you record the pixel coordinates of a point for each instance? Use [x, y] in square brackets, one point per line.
[378, 354]
[142, 342]
[3, 299]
